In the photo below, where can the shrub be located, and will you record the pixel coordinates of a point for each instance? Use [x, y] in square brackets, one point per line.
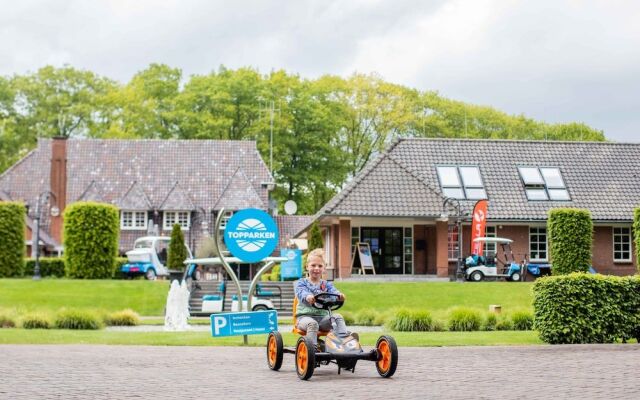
[49, 266]
[570, 233]
[77, 319]
[636, 234]
[12, 238]
[585, 308]
[36, 321]
[90, 240]
[122, 318]
[275, 273]
[465, 319]
[504, 324]
[348, 317]
[315, 237]
[177, 250]
[522, 320]
[411, 321]
[490, 322]
[366, 317]
[7, 321]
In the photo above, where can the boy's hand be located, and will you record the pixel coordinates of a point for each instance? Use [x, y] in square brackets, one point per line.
[342, 297]
[310, 299]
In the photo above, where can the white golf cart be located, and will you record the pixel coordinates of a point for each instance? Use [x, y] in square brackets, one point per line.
[477, 268]
[149, 257]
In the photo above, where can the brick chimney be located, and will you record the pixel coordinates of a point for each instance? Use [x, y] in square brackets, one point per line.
[58, 182]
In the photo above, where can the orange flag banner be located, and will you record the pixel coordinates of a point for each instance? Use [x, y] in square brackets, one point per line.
[478, 225]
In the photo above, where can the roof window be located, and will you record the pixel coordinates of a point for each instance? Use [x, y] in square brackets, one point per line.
[461, 182]
[544, 183]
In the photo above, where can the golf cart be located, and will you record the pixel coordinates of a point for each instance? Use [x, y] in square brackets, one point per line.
[214, 303]
[343, 350]
[149, 257]
[477, 268]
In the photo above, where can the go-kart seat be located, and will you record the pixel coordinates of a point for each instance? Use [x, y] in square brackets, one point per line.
[295, 322]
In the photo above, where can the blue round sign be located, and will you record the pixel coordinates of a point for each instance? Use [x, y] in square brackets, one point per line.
[251, 235]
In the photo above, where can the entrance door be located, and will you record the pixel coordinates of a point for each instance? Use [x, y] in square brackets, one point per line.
[386, 248]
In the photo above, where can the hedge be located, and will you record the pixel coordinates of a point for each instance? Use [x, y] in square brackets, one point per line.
[636, 234]
[586, 308]
[91, 240]
[177, 250]
[12, 215]
[570, 233]
[49, 266]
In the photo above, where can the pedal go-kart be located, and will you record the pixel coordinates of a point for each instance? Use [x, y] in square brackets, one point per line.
[344, 351]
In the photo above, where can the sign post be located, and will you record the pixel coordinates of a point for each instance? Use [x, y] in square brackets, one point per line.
[244, 323]
[362, 259]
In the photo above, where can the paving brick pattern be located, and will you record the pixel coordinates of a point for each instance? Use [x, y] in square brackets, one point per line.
[125, 372]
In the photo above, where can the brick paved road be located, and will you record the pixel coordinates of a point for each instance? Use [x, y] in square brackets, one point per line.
[123, 372]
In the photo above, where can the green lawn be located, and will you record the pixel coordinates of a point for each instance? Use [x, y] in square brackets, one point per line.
[148, 297]
[413, 339]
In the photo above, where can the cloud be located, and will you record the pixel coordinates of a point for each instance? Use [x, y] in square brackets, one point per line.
[559, 61]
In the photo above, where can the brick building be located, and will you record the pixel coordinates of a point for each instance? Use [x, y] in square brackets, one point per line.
[154, 183]
[397, 202]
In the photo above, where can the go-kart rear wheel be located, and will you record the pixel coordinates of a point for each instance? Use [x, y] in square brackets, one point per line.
[305, 358]
[387, 356]
[274, 350]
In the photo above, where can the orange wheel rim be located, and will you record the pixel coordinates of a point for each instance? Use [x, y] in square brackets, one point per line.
[302, 357]
[385, 356]
[272, 350]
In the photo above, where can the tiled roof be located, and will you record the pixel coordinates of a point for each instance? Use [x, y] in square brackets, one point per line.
[290, 225]
[109, 168]
[239, 194]
[602, 177]
[135, 199]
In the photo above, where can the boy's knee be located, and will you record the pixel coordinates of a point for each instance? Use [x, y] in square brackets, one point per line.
[337, 316]
[313, 326]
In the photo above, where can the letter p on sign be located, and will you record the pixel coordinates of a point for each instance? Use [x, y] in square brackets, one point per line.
[219, 323]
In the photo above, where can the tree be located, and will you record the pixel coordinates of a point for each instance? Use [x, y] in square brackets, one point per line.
[12, 215]
[315, 237]
[177, 250]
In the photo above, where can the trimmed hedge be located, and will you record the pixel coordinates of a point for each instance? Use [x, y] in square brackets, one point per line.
[12, 237]
[91, 240]
[77, 319]
[49, 266]
[636, 234]
[177, 251]
[586, 308]
[570, 233]
[406, 320]
[463, 319]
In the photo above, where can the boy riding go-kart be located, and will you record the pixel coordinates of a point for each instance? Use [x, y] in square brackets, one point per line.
[313, 305]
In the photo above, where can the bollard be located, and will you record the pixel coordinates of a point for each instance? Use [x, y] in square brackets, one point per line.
[495, 308]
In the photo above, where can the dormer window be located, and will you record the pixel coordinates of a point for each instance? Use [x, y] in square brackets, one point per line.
[461, 182]
[544, 183]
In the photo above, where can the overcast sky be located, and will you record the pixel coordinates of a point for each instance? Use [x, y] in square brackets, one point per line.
[553, 60]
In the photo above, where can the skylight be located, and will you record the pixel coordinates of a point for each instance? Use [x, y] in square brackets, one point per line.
[461, 182]
[544, 183]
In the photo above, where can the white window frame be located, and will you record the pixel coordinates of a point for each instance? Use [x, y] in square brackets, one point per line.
[452, 245]
[225, 219]
[490, 231]
[464, 188]
[615, 236]
[167, 223]
[546, 237]
[134, 225]
[539, 184]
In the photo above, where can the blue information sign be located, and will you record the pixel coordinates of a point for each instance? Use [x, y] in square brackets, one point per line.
[244, 323]
[292, 268]
[251, 235]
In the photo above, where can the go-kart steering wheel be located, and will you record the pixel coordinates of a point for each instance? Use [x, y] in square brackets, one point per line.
[327, 301]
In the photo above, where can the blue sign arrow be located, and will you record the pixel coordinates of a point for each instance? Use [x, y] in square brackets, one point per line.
[244, 323]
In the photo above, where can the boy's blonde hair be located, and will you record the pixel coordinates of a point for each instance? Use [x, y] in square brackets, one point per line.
[319, 253]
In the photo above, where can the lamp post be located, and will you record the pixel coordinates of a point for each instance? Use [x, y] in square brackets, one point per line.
[455, 204]
[35, 244]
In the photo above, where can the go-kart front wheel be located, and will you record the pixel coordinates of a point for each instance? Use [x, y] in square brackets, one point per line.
[274, 350]
[387, 356]
[305, 358]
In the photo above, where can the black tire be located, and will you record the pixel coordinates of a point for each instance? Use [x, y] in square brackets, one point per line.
[515, 277]
[260, 307]
[150, 274]
[275, 350]
[476, 276]
[305, 358]
[387, 356]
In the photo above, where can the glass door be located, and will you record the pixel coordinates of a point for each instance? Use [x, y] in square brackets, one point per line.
[386, 248]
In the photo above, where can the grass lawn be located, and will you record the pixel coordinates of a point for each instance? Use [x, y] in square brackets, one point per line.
[148, 297]
[412, 339]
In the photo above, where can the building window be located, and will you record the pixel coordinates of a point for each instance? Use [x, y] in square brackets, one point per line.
[453, 243]
[544, 183]
[490, 248]
[461, 182]
[225, 219]
[621, 244]
[538, 243]
[182, 218]
[408, 250]
[133, 220]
